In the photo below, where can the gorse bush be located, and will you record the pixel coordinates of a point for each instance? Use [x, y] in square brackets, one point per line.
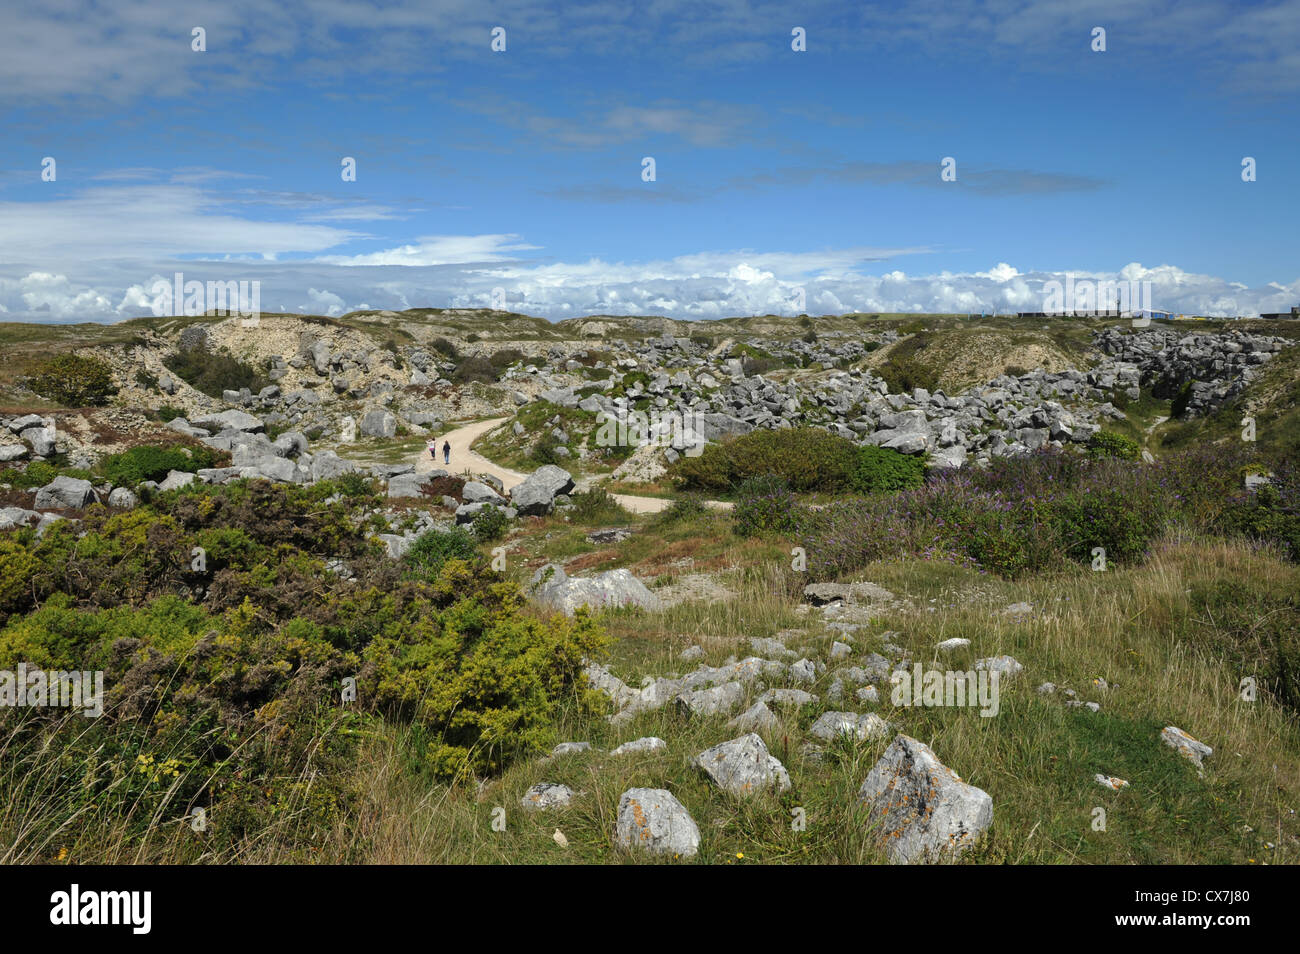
[223, 682]
[73, 380]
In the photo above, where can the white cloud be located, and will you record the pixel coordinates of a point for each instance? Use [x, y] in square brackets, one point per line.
[710, 284]
[146, 222]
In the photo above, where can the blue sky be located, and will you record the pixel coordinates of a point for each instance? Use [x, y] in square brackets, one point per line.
[776, 170]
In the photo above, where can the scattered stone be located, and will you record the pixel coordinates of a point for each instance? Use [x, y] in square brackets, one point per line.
[787, 697]
[547, 796]
[1192, 750]
[553, 587]
[65, 493]
[691, 653]
[651, 819]
[868, 694]
[767, 646]
[743, 767]
[803, 671]
[570, 748]
[650, 743]
[536, 495]
[956, 642]
[715, 701]
[757, 718]
[1076, 704]
[922, 809]
[1006, 665]
[123, 498]
[840, 650]
[832, 725]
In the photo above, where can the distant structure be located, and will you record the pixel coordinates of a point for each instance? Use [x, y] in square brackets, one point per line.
[1293, 313]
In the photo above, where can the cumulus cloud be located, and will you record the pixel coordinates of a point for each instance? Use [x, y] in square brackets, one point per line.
[702, 285]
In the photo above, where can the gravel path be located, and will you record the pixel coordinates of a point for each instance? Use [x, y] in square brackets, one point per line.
[463, 459]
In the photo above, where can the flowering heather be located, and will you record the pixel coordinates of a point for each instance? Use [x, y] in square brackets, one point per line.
[1040, 511]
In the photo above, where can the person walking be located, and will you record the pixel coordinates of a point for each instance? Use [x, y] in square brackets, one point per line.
[433, 450]
[446, 452]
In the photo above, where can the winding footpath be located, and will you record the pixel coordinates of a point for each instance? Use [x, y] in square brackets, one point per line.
[464, 459]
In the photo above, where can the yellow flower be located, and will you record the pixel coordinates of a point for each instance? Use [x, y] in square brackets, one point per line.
[740, 854]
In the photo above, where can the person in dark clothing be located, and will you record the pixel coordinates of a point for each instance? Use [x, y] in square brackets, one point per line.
[446, 452]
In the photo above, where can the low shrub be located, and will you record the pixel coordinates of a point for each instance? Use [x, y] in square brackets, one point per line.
[808, 458]
[476, 368]
[596, 506]
[1111, 444]
[73, 380]
[426, 556]
[884, 470]
[490, 523]
[765, 505]
[154, 462]
[214, 372]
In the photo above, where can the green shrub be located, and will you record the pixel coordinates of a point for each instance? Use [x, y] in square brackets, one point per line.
[689, 508]
[765, 505]
[596, 506]
[543, 451]
[490, 523]
[884, 470]
[445, 348]
[213, 373]
[73, 380]
[17, 567]
[38, 473]
[481, 681]
[169, 412]
[153, 462]
[906, 374]
[432, 549]
[808, 458]
[1110, 444]
[476, 368]
[1101, 518]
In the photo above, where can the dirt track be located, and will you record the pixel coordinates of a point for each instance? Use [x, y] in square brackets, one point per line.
[463, 459]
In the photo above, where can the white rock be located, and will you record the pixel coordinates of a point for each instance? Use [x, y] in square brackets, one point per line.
[1007, 665]
[921, 809]
[650, 743]
[651, 819]
[1189, 748]
[956, 642]
[744, 767]
[545, 796]
[831, 725]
